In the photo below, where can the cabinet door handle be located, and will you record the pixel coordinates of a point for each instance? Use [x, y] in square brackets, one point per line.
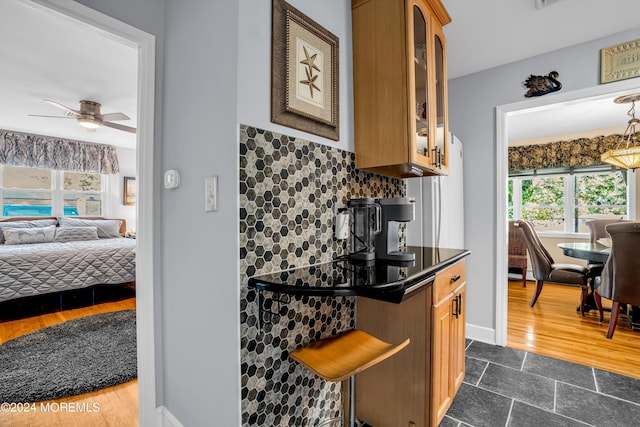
[437, 158]
[459, 297]
[455, 278]
[456, 307]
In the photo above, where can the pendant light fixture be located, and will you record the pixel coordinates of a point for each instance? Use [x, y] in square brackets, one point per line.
[626, 154]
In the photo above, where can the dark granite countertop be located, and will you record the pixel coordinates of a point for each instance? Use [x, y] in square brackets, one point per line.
[384, 281]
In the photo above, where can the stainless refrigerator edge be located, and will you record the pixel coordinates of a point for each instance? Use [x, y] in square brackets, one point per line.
[439, 207]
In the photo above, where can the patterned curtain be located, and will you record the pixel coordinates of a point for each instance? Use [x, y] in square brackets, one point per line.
[561, 154]
[43, 152]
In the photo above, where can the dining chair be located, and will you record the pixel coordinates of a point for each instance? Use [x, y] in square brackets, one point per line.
[545, 269]
[597, 231]
[621, 273]
[597, 228]
[517, 258]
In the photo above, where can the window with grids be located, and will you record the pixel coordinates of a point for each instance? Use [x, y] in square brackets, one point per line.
[564, 202]
[44, 192]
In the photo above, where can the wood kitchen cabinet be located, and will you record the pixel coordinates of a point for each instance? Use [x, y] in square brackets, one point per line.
[416, 386]
[400, 87]
[448, 339]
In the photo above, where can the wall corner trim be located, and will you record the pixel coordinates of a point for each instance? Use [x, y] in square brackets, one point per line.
[482, 334]
[166, 418]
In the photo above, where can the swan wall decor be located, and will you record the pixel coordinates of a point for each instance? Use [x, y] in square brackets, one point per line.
[542, 85]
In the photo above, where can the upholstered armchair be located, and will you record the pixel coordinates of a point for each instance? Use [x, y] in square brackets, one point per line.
[545, 269]
[621, 273]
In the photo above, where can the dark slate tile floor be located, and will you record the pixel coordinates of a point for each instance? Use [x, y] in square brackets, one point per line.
[513, 388]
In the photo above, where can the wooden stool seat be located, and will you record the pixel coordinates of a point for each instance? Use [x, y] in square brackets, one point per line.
[341, 356]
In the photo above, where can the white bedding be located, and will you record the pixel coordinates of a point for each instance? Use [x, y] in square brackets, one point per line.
[40, 268]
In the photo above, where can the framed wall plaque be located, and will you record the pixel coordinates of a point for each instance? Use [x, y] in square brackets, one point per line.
[129, 191]
[304, 73]
[620, 62]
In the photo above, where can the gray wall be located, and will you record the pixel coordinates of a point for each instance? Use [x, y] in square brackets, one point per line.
[200, 293]
[127, 161]
[472, 102]
[254, 88]
[213, 68]
[197, 252]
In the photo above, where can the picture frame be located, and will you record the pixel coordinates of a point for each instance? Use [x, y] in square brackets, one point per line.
[129, 191]
[304, 73]
[620, 61]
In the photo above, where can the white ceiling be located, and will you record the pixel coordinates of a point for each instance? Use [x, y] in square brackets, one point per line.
[48, 57]
[486, 34]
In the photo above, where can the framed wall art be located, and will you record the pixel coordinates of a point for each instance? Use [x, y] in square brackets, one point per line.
[129, 191]
[304, 73]
[620, 62]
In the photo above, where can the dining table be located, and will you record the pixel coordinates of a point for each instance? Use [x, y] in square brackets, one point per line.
[596, 252]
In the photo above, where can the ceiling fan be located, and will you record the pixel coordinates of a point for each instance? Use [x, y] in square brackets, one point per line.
[89, 116]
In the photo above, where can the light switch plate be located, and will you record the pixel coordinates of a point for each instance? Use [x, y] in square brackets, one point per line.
[171, 179]
[211, 193]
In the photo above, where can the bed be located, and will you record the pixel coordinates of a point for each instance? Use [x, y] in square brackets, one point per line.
[71, 259]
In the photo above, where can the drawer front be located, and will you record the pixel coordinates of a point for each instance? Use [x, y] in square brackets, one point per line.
[448, 280]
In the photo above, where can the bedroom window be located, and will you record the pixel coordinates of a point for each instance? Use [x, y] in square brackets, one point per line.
[82, 193]
[43, 192]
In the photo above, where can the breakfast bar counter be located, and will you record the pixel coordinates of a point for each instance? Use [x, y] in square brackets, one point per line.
[421, 302]
[391, 282]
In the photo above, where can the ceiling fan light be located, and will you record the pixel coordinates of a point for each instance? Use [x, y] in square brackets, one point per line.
[89, 123]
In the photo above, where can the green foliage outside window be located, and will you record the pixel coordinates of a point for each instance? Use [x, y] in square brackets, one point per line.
[599, 195]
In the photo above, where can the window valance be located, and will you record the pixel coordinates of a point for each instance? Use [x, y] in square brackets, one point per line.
[561, 154]
[44, 152]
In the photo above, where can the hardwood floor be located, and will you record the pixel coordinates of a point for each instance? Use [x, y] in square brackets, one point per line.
[112, 407]
[554, 328]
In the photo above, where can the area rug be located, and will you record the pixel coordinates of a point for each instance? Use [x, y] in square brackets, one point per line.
[73, 357]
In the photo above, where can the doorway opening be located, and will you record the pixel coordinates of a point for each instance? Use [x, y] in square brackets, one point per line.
[144, 44]
[504, 117]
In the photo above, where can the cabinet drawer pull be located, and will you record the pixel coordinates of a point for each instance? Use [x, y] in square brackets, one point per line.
[455, 278]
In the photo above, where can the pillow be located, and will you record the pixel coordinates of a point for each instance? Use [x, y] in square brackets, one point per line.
[71, 234]
[106, 227]
[20, 236]
[37, 223]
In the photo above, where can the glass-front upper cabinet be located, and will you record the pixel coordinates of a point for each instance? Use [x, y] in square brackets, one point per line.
[420, 85]
[429, 87]
[441, 122]
[399, 81]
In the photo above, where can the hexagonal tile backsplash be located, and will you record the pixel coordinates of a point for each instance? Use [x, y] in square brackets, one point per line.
[288, 189]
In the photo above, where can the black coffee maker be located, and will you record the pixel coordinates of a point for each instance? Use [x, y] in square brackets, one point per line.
[394, 211]
[365, 226]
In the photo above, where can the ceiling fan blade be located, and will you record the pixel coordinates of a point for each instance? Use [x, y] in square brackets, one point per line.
[53, 117]
[112, 117]
[64, 107]
[119, 127]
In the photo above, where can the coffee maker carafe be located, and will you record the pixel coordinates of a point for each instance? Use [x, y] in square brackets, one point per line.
[365, 225]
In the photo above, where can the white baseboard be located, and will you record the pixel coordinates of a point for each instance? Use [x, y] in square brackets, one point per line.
[480, 333]
[516, 276]
[166, 418]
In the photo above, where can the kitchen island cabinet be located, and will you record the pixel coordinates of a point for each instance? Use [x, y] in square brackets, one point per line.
[416, 387]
